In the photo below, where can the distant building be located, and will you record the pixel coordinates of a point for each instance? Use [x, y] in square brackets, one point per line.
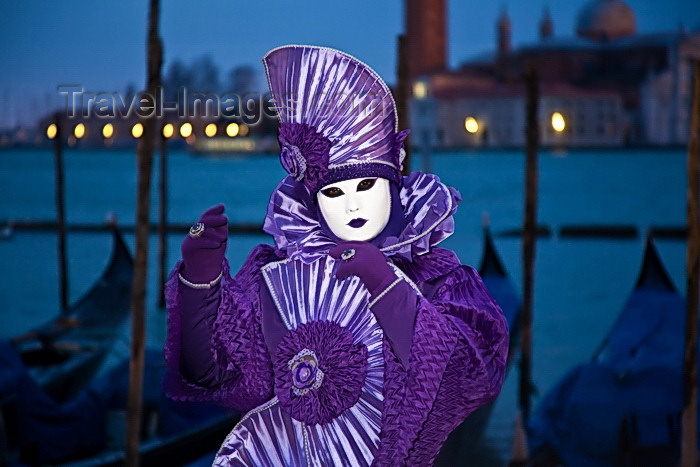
[606, 86]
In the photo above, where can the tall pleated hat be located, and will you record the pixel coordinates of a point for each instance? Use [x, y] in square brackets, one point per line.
[337, 117]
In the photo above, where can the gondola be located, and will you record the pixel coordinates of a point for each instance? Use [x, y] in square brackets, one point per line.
[174, 433]
[89, 429]
[54, 411]
[623, 407]
[65, 353]
[466, 436]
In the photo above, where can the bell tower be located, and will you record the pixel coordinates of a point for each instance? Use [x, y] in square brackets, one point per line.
[426, 33]
[546, 25]
[503, 33]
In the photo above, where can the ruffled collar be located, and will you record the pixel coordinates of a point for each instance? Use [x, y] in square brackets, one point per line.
[428, 204]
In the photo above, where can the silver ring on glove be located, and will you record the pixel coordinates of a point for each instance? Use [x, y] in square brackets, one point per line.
[347, 255]
[197, 230]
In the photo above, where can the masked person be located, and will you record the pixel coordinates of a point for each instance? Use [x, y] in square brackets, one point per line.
[355, 340]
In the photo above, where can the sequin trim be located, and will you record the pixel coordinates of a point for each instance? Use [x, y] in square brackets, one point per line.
[385, 291]
[346, 164]
[271, 288]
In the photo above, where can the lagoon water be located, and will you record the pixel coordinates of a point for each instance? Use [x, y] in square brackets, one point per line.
[580, 283]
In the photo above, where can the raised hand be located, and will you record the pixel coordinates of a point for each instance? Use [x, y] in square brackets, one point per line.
[364, 260]
[204, 246]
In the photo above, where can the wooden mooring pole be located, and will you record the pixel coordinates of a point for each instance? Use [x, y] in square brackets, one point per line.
[689, 438]
[529, 236]
[60, 215]
[138, 289]
[163, 220]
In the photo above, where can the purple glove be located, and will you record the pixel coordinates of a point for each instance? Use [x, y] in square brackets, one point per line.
[368, 263]
[396, 311]
[203, 252]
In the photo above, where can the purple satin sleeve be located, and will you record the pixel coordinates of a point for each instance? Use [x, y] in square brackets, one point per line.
[198, 314]
[457, 364]
[396, 314]
[476, 368]
[239, 374]
[478, 362]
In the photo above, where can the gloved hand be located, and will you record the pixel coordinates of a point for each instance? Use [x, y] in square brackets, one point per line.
[368, 263]
[202, 256]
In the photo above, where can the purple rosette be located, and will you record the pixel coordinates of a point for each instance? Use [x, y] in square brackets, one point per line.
[319, 371]
[306, 375]
[305, 153]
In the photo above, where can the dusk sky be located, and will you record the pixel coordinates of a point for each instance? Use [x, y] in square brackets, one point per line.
[101, 45]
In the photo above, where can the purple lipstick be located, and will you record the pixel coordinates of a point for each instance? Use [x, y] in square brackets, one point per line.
[357, 223]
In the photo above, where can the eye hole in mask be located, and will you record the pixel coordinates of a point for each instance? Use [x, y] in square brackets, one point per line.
[366, 184]
[332, 192]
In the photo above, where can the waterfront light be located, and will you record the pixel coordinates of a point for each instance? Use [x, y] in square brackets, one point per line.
[79, 130]
[420, 89]
[210, 130]
[108, 130]
[471, 125]
[186, 129]
[137, 130]
[232, 129]
[168, 130]
[51, 131]
[558, 122]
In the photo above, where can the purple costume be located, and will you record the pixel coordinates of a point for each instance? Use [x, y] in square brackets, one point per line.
[329, 371]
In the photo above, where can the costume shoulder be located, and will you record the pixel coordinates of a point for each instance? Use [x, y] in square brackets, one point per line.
[436, 263]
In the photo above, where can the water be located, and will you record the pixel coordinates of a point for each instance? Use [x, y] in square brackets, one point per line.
[580, 284]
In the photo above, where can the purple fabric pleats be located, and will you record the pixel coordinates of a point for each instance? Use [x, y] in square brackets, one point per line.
[456, 366]
[404, 413]
[430, 266]
[319, 371]
[329, 374]
[474, 373]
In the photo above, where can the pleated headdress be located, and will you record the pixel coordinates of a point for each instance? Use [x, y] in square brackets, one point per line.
[337, 117]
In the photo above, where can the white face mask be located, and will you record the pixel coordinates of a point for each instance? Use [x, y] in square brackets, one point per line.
[356, 209]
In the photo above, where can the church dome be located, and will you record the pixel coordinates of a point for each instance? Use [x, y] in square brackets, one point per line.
[606, 20]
